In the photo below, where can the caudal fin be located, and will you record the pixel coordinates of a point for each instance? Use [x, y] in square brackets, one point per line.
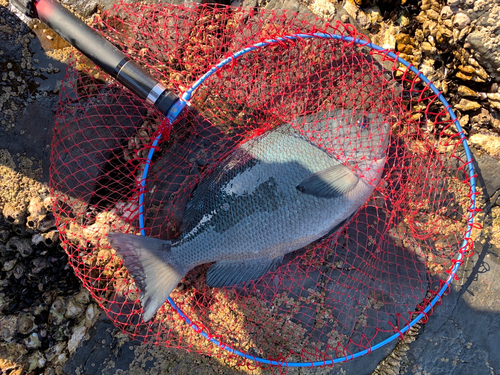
[147, 260]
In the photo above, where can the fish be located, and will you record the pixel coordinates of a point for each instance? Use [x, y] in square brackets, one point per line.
[274, 194]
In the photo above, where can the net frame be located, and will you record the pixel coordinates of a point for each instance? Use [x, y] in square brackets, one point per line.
[464, 251]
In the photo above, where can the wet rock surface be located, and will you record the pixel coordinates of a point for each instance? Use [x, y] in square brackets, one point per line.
[463, 332]
[485, 38]
[453, 43]
[109, 352]
[29, 87]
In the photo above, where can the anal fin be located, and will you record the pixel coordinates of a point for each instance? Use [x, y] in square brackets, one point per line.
[228, 273]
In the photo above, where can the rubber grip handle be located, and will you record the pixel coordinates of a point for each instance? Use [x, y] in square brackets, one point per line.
[104, 54]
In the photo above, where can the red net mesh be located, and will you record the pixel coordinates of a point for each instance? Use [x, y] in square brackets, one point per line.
[340, 294]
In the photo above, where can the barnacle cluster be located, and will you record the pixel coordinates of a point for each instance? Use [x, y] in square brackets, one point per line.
[45, 313]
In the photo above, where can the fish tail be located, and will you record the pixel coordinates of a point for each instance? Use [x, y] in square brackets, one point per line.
[149, 261]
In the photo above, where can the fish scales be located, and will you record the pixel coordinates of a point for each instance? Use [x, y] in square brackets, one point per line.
[264, 211]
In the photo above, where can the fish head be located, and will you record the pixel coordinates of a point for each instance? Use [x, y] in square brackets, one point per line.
[367, 145]
[369, 136]
[358, 139]
[350, 136]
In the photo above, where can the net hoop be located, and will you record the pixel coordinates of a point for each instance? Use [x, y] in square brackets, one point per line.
[184, 100]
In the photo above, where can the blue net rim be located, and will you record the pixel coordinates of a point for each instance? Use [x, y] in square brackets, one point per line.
[183, 101]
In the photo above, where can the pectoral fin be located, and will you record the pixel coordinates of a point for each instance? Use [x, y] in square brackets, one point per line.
[228, 273]
[329, 183]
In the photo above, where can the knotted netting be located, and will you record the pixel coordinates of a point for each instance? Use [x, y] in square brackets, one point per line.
[344, 294]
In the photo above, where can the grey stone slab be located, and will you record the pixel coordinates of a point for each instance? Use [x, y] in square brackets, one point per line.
[462, 336]
[83, 7]
[29, 93]
[91, 357]
[291, 5]
[108, 352]
[488, 169]
[485, 36]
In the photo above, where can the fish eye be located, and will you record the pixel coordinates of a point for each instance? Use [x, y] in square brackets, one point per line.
[363, 122]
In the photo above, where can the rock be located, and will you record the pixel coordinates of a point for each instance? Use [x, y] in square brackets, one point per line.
[15, 214]
[73, 309]
[488, 142]
[323, 8]
[427, 48]
[351, 8]
[495, 120]
[38, 265]
[291, 5]
[467, 105]
[50, 239]
[494, 100]
[91, 314]
[36, 360]
[82, 7]
[483, 119]
[485, 37]
[26, 324]
[8, 328]
[36, 239]
[461, 20]
[21, 245]
[56, 312]
[32, 341]
[432, 14]
[94, 352]
[76, 338]
[9, 265]
[37, 207]
[28, 107]
[446, 13]
[386, 37]
[489, 173]
[105, 123]
[467, 92]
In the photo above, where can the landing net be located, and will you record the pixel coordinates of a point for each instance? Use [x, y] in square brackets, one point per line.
[340, 297]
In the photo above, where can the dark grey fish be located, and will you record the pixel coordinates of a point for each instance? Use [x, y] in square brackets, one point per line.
[275, 194]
